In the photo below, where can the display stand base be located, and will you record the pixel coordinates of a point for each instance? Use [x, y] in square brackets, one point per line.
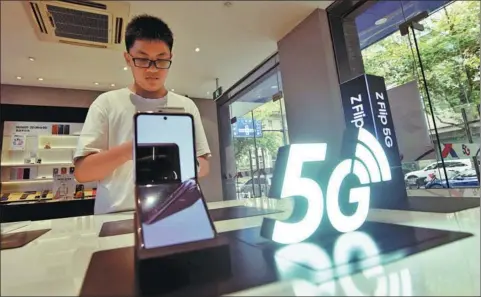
[167, 269]
[19, 239]
[436, 204]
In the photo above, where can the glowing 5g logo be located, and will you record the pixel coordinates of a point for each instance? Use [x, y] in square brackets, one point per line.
[369, 164]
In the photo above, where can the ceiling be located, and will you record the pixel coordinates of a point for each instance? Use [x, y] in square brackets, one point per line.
[383, 18]
[232, 41]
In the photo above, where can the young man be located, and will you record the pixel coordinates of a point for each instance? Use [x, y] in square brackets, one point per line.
[104, 151]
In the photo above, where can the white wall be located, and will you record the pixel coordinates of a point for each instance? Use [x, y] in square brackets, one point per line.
[310, 83]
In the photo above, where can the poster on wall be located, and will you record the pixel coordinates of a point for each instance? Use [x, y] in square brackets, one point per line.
[41, 128]
[27, 128]
[18, 142]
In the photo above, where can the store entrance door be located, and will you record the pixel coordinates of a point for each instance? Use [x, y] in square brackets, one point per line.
[445, 47]
[428, 54]
[257, 136]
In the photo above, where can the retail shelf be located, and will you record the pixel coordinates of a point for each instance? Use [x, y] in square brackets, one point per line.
[26, 181]
[59, 135]
[67, 148]
[36, 165]
[57, 148]
[47, 135]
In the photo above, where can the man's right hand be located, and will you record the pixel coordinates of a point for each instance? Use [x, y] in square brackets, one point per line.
[98, 166]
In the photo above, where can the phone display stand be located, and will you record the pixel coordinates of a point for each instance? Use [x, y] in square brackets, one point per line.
[165, 269]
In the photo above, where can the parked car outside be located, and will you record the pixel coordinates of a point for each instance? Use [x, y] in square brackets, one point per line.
[436, 168]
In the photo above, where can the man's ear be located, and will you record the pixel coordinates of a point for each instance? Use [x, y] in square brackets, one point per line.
[127, 58]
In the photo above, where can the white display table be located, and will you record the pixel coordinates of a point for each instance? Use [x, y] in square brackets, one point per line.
[56, 263]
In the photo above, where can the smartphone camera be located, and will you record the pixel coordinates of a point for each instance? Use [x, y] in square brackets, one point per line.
[165, 118]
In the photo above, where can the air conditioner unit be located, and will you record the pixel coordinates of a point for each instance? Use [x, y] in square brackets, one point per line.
[98, 24]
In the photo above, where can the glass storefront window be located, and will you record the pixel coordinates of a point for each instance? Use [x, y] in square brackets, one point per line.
[258, 130]
[435, 65]
[252, 127]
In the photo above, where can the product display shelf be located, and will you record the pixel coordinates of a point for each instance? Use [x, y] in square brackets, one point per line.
[37, 172]
[40, 196]
[38, 159]
[33, 180]
[33, 153]
[37, 164]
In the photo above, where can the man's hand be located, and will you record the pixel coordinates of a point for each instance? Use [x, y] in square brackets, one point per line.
[204, 166]
[97, 166]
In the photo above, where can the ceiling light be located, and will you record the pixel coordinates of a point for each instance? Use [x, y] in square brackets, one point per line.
[172, 90]
[31, 59]
[126, 68]
[380, 21]
[40, 78]
[19, 77]
[96, 83]
[197, 49]
[273, 87]
[112, 85]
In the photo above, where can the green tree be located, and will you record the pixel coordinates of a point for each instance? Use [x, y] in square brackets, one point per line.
[449, 49]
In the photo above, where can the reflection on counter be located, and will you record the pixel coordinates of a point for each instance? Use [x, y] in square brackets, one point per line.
[376, 282]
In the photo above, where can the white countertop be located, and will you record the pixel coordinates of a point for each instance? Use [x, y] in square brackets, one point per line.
[55, 263]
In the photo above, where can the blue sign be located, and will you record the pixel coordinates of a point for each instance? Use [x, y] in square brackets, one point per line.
[247, 128]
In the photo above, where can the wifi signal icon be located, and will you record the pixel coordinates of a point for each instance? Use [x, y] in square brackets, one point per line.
[373, 157]
[370, 165]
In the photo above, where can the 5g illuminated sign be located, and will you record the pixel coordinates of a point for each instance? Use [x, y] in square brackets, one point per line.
[369, 164]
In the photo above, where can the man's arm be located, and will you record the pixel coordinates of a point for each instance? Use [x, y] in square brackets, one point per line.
[203, 151]
[97, 166]
[93, 159]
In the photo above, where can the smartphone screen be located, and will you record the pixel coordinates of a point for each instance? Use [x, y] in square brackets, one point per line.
[170, 205]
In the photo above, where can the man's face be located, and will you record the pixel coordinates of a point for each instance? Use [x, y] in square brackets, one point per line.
[151, 78]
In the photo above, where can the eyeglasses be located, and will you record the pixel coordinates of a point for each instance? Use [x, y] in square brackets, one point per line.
[147, 63]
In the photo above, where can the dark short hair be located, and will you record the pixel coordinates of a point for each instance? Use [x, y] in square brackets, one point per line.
[146, 27]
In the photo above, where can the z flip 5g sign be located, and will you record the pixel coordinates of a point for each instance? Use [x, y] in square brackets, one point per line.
[369, 154]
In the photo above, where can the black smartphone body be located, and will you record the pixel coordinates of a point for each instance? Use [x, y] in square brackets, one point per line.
[79, 192]
[157, 163]
[26, 173]
[169, 202]
[61, 129]
[66, 129]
